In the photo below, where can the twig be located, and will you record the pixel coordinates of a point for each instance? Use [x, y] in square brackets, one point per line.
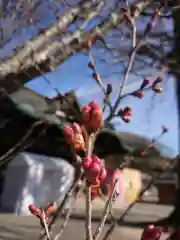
[106, 212]
[135, 48]
[99, 80]
[125, 78]
[66, 219]
[6, 158]
[43, 218]
[88, 213]
[69, 44]
[60, 208]
[153, 179]
[90, 144]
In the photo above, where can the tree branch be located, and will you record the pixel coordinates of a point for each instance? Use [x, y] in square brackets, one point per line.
[22, 67]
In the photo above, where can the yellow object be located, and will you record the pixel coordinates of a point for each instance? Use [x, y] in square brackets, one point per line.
[133, 184]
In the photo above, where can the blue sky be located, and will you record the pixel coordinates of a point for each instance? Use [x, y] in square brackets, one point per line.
[149, 115]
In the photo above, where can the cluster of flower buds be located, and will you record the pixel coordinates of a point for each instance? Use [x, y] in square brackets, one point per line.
[125, 114]
[155, 86]
[48, 211]
[139, 93]
[74, 136]
[92, 116]
[152, 233]
[94, 171]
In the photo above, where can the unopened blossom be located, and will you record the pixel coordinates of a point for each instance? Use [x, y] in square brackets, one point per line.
[34, 210]
[92, 116]
[125, 114]
[94, 172]
[145, 83]
[74, 136]
[152, 233]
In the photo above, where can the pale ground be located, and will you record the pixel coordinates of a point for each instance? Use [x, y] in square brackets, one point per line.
[26, 228]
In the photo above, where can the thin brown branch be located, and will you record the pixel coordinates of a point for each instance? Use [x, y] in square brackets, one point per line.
[67, 216]
[88, 213]
[20, 144]
[107, 209]
[43, 217]
[67, 197]
[134, 50]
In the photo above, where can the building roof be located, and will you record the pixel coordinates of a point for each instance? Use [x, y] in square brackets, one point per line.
[109, 142]
[22, 109]
[40, 107]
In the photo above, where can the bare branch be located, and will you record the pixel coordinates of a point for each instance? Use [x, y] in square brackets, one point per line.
[88, 213]
[67, 216]
[107, 209]
[22, 66]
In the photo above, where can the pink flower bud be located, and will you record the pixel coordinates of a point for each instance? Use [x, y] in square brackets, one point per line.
[126, 119]
[69, 134]
[96, 159]
[139, 94]
[74, 137]
[34, 210]
[96, 119]
[86, 162]
[95, 169]
[85, 111]
[152, 233]
[142, 153]
[79, 144]
[92, 116]
[144, 83]
[76, 128]
[103, 175]
[128, 111]
[94, 104]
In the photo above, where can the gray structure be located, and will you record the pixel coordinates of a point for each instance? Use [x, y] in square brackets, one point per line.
[35, 179]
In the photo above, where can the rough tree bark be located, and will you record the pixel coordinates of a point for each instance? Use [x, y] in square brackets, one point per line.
[37, 56]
